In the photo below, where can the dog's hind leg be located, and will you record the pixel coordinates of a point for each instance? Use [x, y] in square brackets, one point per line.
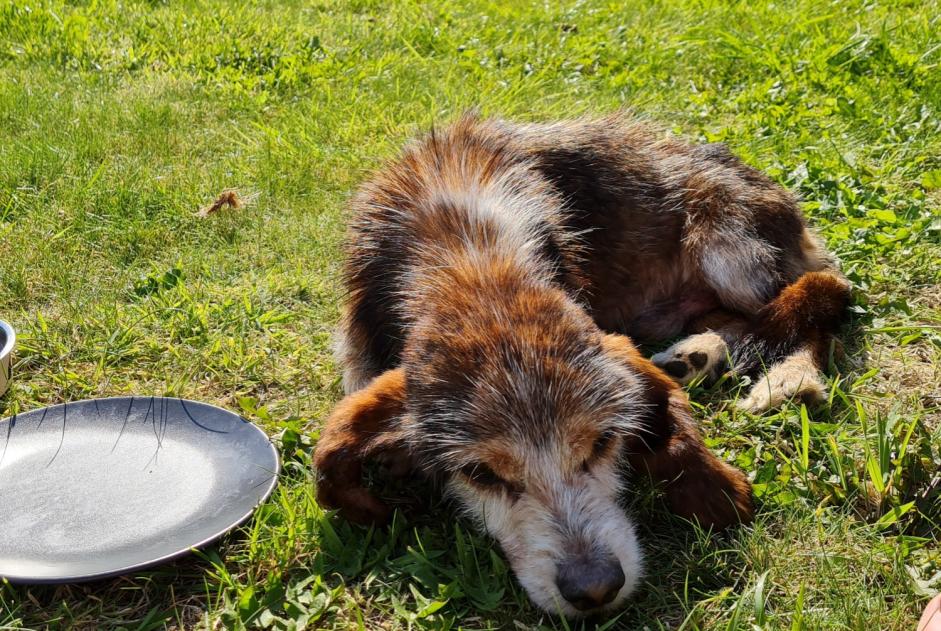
[790, 337]
[786, 342]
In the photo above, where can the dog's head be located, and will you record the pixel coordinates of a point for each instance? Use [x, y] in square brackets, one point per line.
[524, 411]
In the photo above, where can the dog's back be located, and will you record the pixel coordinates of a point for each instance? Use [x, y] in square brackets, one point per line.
[650, 234]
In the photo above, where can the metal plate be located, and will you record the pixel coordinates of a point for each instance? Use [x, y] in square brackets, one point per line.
[104, 487]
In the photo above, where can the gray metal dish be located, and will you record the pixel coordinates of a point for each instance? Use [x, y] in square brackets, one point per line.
[7, 342]
[104, 487]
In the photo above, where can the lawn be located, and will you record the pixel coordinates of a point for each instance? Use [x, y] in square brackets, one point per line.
[119, 121]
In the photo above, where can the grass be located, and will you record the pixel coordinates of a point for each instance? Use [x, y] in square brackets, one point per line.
[119, 120]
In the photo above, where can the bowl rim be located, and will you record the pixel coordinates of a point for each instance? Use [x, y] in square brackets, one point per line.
[10, 334]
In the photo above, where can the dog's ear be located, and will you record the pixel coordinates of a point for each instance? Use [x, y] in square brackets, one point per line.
[365, 424]
[698, 486]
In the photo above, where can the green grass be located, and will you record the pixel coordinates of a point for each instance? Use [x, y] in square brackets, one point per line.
[118, 121]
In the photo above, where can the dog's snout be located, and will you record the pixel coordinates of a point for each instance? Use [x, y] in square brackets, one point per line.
[590, 583]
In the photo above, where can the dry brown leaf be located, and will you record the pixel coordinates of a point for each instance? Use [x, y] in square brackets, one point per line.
[227, 198]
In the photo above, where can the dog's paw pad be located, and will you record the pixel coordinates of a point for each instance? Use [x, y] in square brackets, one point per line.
[702, 355]
[794, 378]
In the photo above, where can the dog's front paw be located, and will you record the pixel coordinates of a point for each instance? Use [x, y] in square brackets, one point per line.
[340, 486]
[702, 355]
[795, 377]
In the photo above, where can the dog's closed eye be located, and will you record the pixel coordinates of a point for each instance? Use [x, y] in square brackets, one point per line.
[483, 476]
[602, 443]
[599, 448]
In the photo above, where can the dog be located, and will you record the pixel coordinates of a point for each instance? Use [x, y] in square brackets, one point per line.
[498, 276]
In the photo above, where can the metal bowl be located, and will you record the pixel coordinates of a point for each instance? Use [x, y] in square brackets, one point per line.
[7, 342]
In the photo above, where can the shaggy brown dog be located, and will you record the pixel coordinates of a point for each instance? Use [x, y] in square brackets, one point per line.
[495, 273]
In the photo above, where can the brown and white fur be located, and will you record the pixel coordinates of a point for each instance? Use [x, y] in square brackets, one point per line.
[497, 274]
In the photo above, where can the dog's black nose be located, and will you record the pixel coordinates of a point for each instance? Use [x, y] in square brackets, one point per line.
[589, 583]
